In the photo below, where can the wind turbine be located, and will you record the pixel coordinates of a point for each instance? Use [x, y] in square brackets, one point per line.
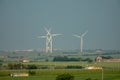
[49, 40]
[81, 40]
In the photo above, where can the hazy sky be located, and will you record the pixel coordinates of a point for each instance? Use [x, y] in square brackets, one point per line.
[22, 21]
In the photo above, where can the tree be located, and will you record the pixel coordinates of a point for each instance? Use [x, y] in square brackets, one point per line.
[15, 66]
[32, 67]
[65, 58]
[65, 77]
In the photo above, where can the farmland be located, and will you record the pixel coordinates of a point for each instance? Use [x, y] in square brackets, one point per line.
[79, 74]
[111, 71]
[45, 67]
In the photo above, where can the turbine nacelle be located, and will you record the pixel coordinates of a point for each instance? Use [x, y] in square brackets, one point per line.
[48, 30]
[82, 35]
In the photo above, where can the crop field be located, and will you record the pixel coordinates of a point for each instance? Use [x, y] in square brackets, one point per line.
[111, 71]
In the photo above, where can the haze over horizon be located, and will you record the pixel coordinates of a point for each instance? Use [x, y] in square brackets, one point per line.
[22, 21]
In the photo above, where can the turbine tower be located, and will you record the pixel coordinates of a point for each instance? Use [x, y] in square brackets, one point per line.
[81, 40]
[49, 40]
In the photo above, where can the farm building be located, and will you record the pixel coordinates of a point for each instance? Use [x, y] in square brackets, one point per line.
[93, 67]
[25, 60]
[19, 74]
[98, 59]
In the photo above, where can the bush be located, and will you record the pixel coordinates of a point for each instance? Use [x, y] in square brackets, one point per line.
[88, 79]
[65, 77]
[31, 67]
[32, 73]
[74, 67]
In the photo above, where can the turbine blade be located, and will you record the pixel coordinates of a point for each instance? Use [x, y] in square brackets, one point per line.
[84, 34]
[77, 36]
[56, 34]
[41, 36]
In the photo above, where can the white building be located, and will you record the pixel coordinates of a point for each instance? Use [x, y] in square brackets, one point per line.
[19, 74]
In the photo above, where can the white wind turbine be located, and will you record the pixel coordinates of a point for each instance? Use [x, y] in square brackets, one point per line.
[81, 40]
[49, 40]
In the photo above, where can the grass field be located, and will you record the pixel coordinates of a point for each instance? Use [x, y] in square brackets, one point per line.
[111, 71]
[79, 74]
[84, 64]
[111, 65]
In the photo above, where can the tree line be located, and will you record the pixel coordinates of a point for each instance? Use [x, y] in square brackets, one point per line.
[65, 58]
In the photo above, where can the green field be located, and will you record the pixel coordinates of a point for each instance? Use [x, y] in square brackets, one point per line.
[111, 71]
[51, 74]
